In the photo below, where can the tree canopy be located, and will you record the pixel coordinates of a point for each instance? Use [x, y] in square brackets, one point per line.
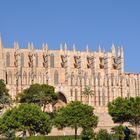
[25, 117]
[126, 110]
[5, 98]
[40, 94]
[87, 92]
[75, 115]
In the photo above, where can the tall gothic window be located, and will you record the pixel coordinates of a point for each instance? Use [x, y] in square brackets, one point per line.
[112, 79]
[9, 77]
[71, 92]
[7, 59]
[36, 60]
[56, 78]
[85, 79]
[99, 100]
[72, 79]
[75, 94]
[99, 79]
[103, 98]
[22, 60]
[25, 78]
[52, 61]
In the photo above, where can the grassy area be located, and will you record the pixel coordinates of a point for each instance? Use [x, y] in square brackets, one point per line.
[49, 138]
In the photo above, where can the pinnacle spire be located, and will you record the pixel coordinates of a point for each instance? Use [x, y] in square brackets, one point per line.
[99, 49]
[61, 47]
[43, 46]
[87, 49]
[0, 42]
[46, 46]
[122, 52]
[32, 46]
[74, 47]
[113, 50]
[16, 45]
[29, 45]
[65, 47]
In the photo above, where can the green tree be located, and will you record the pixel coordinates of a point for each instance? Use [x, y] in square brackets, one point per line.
[133, 110]
[126, 110]
[25, 117]
[118, 110]
[39, 94]
[76, 115]
[119, 132]
[87, 134]
[103, 135]
[87, 92]
[5, 98]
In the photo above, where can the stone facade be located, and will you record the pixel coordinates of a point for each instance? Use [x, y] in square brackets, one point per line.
[69, 71]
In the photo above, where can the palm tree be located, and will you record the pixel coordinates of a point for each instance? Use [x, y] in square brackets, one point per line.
[87, 92]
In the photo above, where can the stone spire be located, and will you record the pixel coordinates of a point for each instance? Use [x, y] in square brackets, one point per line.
[99, 49]
[65, 47]
[16, 45]
[0, 42]
[32, 46]
[113, 50]
[61, 47]
[74, 47]
[87, 49]
[119, 52]
[46, 47]
[43, 46]
[122, 52]
[29, 45]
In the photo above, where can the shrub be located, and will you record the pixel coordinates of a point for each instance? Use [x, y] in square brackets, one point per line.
[103, 135]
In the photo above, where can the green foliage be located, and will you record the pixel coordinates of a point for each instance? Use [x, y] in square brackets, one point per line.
[39, 94]
[26, 117]
[126, 110]
[118, 110]
[119, 132]
[88, 91]
[87, 134]
[75, 115]
[103, 135]
[10, 135]
[4, 95]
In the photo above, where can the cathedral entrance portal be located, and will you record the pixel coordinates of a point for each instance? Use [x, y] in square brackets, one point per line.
[62, 101]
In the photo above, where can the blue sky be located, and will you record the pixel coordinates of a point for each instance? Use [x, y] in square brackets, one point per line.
[82, 22]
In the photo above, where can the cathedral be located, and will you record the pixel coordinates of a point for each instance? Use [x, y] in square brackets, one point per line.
[70, 72]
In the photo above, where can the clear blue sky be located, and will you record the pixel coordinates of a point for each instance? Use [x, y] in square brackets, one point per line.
[82, 22]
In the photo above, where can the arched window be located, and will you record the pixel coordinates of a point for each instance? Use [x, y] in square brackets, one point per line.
[36, 60]
[99, 79]
[56, 78]
[71, 93]
[29, 78]
[99, 100]
[72, 79]
[9, 77]
[103, 98]
[25, 78]
[22, 60]
[7, 59]
[75, 94]
[52, 61]
[85, 79]
[112, 79]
